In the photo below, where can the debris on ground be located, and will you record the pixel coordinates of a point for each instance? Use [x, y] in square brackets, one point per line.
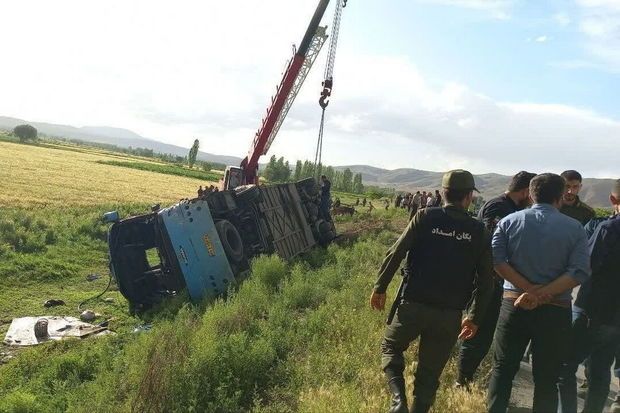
[41, 329]
[88, 315]
[5, 357]
[53, 303]
[92, 277]
[29, 331]
[108, 300]
[143, 327]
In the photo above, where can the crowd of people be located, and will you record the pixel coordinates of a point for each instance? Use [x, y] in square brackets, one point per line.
[413, 202]
[206, 190]
[512, 272]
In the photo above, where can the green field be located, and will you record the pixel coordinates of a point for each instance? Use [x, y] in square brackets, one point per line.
[296, 337]
[167, 169]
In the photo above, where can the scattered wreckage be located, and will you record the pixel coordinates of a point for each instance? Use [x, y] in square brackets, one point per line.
[30, 331]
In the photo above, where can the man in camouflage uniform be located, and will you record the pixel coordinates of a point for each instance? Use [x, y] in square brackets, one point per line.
[571, 204]
[448, 261]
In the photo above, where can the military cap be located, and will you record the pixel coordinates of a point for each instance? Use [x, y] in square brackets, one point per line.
[459, 179]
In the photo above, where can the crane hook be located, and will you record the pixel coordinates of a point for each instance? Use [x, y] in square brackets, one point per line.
[326, 92]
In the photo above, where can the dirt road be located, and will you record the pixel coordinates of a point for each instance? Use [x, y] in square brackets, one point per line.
[523, 390]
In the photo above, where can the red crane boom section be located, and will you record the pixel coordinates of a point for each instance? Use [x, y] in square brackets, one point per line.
[249, 165]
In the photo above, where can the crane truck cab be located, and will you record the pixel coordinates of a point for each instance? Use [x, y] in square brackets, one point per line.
[233, 178]
[205, 245]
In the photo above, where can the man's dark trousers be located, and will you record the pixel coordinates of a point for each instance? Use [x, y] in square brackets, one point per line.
[473, 351]
[548, 327]
[600, 343]
[437, 329]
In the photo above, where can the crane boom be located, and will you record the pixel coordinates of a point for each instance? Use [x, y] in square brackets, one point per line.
[291, 82]
[313, 52]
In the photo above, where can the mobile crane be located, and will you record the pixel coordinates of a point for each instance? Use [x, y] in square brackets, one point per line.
[295, 74]
[204, 245]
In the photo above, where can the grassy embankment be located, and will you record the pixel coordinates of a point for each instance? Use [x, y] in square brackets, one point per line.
[295, 337]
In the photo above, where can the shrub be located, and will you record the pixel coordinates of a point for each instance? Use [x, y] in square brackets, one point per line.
[50, 237]
[269, 270]
[19, 402]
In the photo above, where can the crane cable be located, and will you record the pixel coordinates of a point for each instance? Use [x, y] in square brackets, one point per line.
[319, 146]
[328, 81]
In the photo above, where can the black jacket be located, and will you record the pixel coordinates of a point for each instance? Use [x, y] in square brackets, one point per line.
[600, 295]
[496, 209]
[448, 260]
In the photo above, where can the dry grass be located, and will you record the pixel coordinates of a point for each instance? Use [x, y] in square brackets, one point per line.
[36, 176]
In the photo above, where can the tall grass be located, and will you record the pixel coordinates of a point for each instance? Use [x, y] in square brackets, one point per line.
[47, 253]
[294, 337]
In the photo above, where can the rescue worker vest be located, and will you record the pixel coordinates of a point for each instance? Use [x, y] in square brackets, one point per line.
[441, 266]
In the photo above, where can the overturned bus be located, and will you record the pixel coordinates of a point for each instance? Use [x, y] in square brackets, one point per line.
[205, 245]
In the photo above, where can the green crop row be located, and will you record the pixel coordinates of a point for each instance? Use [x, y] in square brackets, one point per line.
[168, 169]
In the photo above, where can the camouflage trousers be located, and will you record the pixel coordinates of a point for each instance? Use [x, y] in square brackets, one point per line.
[437, 329]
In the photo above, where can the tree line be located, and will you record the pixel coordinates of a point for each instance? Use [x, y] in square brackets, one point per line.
[279, 170]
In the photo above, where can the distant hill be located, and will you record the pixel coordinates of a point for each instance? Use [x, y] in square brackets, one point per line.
[114, 136]
[595, 191]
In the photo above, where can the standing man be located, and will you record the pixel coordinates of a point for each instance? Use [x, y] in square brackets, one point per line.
[575, 208]
[448, 260]
[407, 203]
[423, 200]
[430, 202]
[326, 187]
[596, 315]
[398, 200]
[416, 200]
[571, 204]
[542, 254]
[473, 351]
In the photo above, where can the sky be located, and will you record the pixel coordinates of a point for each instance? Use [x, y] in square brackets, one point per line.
[486, 85]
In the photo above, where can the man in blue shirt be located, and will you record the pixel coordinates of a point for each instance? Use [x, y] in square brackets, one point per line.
[541, 254]
[596, 325]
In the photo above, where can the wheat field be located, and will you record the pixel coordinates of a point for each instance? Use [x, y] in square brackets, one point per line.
[32, 176]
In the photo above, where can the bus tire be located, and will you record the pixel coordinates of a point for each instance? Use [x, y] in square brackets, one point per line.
[231, 240]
